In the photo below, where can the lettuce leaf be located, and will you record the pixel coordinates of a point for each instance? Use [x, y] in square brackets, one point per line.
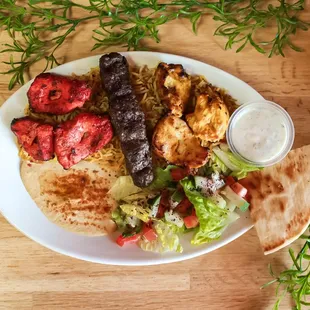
[124, 187]
[137, 211]
[162, 178]
[128, 224]
[213, 219]
[239, 168]
[119, 218]
[167, 240]
[218, 166]
[135, 197]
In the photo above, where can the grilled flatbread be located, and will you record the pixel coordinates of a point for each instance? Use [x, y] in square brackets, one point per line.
[280, 200]
[75, 199]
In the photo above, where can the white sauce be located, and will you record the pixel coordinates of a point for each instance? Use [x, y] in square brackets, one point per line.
[259, 134]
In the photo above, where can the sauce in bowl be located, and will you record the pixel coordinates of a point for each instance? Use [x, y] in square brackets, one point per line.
[261, 133]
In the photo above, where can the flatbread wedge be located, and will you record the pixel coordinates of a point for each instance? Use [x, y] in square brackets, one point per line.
[279, 199]
[76, 199]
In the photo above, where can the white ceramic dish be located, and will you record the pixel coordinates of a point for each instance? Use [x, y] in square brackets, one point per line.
[19, 209]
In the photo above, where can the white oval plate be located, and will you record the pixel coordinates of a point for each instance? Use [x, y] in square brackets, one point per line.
[19, 209]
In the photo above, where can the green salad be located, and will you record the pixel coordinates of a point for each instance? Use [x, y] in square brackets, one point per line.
[203, 201]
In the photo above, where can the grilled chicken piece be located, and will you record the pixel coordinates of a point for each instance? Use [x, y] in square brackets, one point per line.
[35, 137]
[210, 119]
[80, 137]
[174, 141]
[56, 94]
[173, 86]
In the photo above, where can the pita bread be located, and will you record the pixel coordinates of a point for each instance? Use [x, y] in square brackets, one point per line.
[279, 199]
[76, 199]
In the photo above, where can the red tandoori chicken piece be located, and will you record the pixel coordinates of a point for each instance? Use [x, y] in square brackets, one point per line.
[80, 137]
[35, 137]
[57, 94]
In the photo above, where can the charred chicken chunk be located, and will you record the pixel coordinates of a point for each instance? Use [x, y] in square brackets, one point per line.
[210, 118]
[174, 141]
[35, 137]
[80, 137]
[173, 86]
[56, 94]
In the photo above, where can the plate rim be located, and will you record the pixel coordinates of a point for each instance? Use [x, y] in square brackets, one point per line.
[132, 262]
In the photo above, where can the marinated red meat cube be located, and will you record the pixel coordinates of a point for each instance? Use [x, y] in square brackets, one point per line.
[80, 137]
[56, 94]
[35, 137]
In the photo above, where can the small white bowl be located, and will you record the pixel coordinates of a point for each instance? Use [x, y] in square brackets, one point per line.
[262, 104]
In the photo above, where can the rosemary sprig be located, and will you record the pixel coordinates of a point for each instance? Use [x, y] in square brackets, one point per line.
[38, 28]
[295, 280]
[241, 26]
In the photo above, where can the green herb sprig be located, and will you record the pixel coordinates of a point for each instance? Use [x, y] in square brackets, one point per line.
[38, 28]
[295, 280]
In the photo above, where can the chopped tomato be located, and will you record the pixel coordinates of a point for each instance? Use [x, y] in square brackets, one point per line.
[183, 206]
[239, 189]
[230, 180]
[121, 240]
[191, 221]
[149, 233]
[178, 174]
[163, 204]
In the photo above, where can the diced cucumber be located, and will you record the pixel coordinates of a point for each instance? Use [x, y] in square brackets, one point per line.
[219, 201]
[175, 199]
[217, 180]
[154, 206]
[224, 147]
[200, 182]
[133, 221]
[244, 207]
[174, 218]
[208, 186]
[232, 217]
[204, 185]
[230, 206]
[235, 199]
[177, 196]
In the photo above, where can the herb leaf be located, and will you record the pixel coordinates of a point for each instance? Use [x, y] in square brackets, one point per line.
[38, 28]
[295, 280]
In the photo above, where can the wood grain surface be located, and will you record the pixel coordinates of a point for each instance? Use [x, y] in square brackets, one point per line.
[33, 277]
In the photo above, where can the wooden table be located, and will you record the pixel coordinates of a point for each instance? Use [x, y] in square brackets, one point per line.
[33, 277]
